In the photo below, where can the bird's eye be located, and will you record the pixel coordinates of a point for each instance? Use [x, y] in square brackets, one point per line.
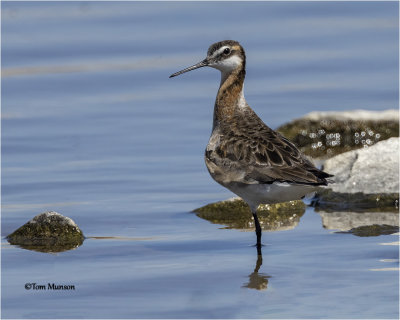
[227, 51]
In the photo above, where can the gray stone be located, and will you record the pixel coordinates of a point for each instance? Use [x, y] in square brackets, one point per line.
[48, 232]
[371, 170]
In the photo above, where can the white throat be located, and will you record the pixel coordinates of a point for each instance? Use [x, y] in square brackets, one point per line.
[227, 66]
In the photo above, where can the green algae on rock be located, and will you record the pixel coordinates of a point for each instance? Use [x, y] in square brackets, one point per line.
[328, 200]
[48, 232]
[323, 135]
[373, 230]
[235, 214]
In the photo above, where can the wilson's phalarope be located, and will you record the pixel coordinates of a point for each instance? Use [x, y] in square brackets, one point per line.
[245, 155]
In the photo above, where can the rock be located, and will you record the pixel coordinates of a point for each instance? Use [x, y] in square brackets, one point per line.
[328, 200]
[358, 213]
[325, 134]
[357, 115]
[236, 214]
[372, 170]
[48, 232]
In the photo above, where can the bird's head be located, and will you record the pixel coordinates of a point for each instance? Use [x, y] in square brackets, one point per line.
[226, 56]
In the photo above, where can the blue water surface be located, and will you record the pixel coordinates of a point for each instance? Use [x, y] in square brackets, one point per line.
[93, 128]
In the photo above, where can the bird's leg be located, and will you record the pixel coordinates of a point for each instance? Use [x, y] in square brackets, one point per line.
[258, 231]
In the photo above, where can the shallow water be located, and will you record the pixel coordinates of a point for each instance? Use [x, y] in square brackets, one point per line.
[93, 128]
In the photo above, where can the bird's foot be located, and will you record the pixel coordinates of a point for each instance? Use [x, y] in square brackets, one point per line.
[257, 245]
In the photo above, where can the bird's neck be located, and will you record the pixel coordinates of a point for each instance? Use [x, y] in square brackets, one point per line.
[230, 96]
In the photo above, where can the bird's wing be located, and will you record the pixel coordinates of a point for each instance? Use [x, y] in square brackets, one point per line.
[250, 146]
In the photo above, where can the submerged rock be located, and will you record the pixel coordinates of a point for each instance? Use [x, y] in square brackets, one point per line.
[325, 134]
[48, 232]
[328, 200]
[373, 230]
[236, 214]
[370, 170]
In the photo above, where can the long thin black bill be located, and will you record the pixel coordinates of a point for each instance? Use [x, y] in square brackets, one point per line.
[196, 66]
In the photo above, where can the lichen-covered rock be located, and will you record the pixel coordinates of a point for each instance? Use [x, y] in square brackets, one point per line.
[370, 170]
[236, 214]
[325, 134]
[48, 232]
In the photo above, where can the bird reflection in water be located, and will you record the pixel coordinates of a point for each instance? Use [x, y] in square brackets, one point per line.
[258, 281]
[235, 214]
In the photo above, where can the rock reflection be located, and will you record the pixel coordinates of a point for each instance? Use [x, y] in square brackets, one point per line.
[363, 215]
[235, 214]
[258, 281]
[361, 224]
[349, 220]
[48, 245]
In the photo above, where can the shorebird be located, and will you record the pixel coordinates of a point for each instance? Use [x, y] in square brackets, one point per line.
[243, 154]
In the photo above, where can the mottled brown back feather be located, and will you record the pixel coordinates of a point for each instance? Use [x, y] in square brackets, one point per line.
[250, 146]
